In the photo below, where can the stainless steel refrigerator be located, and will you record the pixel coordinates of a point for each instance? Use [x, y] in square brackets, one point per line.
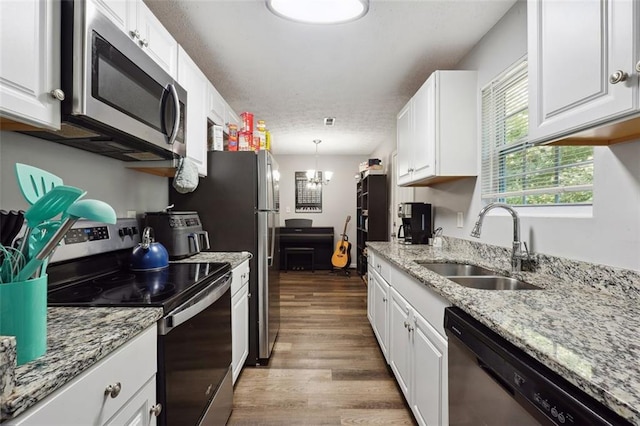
[238, 204]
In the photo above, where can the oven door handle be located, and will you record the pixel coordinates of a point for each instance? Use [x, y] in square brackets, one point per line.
[193, 307]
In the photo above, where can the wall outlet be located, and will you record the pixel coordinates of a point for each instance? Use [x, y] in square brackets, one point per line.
[131, 214]
[460, 220]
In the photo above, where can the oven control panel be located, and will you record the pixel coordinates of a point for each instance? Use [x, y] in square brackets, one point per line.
[87, 238]
[81, 235]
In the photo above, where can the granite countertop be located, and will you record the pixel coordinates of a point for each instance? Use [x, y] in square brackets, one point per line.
[584, 324]
[234, 258]
[77, 338]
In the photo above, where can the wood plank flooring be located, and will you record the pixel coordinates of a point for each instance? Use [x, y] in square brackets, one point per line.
[326, 367]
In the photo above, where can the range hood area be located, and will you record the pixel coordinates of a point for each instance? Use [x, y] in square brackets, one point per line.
[113, 143]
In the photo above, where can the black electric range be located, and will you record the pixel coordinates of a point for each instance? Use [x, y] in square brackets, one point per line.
[91, 269]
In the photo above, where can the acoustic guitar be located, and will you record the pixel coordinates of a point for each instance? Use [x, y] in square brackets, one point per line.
[342, 255]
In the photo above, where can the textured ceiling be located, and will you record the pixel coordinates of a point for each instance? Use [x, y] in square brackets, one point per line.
[293, 75]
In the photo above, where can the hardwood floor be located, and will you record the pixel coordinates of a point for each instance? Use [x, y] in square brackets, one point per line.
[326, 368]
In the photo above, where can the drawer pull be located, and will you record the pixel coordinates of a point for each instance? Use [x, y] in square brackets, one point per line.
[113, 390]
[156, 410]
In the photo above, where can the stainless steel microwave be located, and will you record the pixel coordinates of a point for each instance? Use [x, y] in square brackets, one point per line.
[117, 101]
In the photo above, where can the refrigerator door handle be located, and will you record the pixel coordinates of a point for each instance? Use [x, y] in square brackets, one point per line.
[273, 245]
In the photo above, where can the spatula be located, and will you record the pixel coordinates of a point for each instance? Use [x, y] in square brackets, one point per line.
[35, 182]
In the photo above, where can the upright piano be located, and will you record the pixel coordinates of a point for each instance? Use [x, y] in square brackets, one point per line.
[320, 238]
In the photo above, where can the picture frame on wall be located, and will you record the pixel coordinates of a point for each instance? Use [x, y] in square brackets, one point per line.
[308, 197]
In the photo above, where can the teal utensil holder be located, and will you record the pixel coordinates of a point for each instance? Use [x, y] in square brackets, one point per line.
[23, 314]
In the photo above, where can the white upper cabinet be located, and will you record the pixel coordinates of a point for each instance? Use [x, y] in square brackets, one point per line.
[231, 117]
[155, 39]
[139, 23]
[216, 106]
[436, 130]
[195, 83]
[30, 62]
[584, 60]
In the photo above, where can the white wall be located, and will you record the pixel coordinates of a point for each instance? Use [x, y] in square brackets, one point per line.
[104, 178]
[338, 198]
[608, 234]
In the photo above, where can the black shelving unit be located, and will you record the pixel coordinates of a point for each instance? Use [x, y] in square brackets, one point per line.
[372, 214]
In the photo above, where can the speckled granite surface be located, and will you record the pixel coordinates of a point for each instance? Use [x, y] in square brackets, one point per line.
[584, 325]
[234, 258]
[8, 358]
[77, 338]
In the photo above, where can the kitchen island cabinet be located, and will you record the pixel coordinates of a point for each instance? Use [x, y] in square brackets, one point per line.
[88, 350]
[584, 63]
[582, 325]
[30, 71]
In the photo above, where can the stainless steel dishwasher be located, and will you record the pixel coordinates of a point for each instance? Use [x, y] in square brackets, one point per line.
[491, 382]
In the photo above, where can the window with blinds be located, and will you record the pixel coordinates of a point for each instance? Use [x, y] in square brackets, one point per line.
[517, 173]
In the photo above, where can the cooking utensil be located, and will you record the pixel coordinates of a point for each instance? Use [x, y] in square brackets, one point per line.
[13, 226]
[35, 182]
[149, 255]
[95, 210]
[54, 202]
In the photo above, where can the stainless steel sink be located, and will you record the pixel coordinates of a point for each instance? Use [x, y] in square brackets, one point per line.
[456, 269]
[493, 283]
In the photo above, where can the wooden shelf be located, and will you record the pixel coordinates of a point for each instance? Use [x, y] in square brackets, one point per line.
[372, 213]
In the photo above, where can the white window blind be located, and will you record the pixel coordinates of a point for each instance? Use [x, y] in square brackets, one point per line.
[516, 173]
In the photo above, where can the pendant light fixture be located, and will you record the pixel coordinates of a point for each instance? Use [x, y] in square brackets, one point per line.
[319, 11]
[314, 176]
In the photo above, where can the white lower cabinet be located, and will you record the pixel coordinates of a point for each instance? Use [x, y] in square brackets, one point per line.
[429, 367]
[118, 390]
[415, 343]
[400, 344]
[239, 318]
[380, 311]
[141, 410]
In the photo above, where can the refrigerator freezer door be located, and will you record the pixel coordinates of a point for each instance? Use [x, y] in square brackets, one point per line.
[268, 182]
[268, 282]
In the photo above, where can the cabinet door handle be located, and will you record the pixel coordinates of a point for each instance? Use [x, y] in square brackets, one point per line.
[618, 76]
[113, 390]
[134, 34]
[57, 94]
[156, 410]
[638, 66]
[384, 299]
[406, 324]
[144, 43]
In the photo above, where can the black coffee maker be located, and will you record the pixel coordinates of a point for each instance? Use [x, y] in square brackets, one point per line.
[417, 223]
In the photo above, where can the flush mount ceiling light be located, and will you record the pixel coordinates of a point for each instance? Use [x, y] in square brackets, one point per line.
[319, 11]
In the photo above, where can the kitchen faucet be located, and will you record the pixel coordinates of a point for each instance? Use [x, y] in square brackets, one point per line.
[517, 255]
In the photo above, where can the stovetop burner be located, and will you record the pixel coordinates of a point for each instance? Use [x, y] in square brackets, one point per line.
[162, 288]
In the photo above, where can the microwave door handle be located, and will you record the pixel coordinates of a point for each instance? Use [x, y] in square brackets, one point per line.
[176, 118]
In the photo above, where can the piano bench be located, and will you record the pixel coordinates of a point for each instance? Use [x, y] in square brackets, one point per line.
[299, 250]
